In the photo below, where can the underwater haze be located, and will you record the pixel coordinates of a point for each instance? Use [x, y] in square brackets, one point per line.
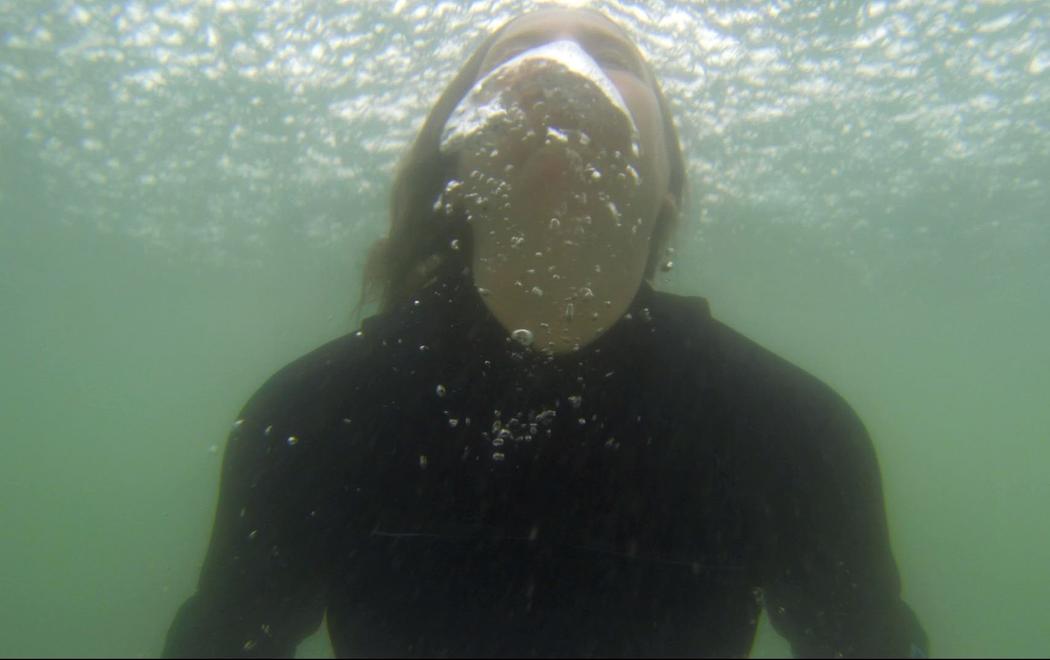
[188, 189]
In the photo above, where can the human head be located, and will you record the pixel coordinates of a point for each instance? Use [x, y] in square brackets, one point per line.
[419, 239]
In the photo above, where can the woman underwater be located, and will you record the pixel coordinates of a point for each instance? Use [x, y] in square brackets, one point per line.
[529, 451]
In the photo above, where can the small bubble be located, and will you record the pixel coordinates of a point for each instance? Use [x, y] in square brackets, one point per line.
[423, 347]
[523, 336]
[292, 440]
[633, 173]
[454, 244]
[555, 224]
[538, 292]
[498, 456]
[440, 390]
[453, 422]
[582, 421]
[667, 265]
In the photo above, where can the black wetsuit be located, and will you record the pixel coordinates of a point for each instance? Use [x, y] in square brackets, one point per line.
[439, 489]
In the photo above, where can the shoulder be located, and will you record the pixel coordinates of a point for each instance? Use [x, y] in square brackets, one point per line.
[765, 391]
[324, 378]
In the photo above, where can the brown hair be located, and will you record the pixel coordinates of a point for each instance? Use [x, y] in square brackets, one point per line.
[401, 263]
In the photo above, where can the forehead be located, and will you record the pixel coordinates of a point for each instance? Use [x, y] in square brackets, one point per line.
[559, 22]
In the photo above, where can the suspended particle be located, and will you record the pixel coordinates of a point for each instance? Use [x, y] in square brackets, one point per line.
[422, 461]
[581, 421]
[252, 534]
[498, 456]
[267, 430]
[454, 244]
[238, 424]
[440, 390]
[555, 224]
[453, 422]
[292, 441]
[570, 311]
[538, 292]
[667, 265]
[214, 449]
[576, 400]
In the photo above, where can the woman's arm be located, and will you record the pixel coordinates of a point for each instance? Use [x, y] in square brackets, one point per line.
[833, 588]
[261, 590]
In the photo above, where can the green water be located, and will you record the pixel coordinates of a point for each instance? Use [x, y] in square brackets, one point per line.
[158, 263]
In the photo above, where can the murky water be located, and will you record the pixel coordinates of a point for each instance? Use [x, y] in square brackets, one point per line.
[188, 189]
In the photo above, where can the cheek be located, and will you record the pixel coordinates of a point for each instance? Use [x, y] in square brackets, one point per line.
[645, 109]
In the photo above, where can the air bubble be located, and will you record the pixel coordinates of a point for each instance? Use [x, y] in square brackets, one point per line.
[440, 390]
[292, 441]
[498, 456]
[423, 461]
[523, 336]
[454, 244]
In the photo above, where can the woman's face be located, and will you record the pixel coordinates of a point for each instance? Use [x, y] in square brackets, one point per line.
[563, 169]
